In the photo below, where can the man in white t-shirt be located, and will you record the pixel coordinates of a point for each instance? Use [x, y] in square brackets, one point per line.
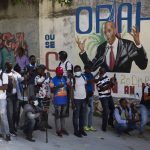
[4, 127]
[78, 101]
[12, 100]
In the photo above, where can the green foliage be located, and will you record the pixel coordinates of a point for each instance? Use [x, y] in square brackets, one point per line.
[95, 40]
[64, 2]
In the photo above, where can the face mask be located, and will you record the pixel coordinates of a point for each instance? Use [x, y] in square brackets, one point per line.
[78, 73]
[36, 103]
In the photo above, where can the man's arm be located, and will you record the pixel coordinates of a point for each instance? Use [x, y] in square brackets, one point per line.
[118, 117]
[3, 87]
[146, 97]
[139, 54]
[4, 82]
[141, 59]
[98, 59]
[30, 115]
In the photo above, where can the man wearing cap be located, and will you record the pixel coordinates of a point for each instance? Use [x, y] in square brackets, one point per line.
[58, 86]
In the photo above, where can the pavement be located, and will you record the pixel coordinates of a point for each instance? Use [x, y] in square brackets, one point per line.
[94, 141]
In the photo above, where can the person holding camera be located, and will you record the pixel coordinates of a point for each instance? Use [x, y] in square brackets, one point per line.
[31, 113]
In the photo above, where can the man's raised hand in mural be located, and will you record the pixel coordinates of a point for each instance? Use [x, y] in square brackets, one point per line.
[136, 35]
[80, 44]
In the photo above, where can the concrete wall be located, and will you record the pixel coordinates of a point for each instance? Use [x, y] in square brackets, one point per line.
[57, 32]
[19, 25]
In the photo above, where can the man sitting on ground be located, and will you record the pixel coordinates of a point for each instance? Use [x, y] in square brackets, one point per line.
[123, 118]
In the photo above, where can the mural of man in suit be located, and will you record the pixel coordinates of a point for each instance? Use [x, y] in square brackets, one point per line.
[116, 54]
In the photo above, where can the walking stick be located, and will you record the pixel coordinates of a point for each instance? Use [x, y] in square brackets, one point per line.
[46, 124]
[46, 132]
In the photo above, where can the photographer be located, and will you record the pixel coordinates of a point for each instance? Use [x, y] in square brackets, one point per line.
[29, 117]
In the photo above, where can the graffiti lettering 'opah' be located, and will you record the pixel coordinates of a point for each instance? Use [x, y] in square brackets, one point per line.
[12, 41]
[110, 9]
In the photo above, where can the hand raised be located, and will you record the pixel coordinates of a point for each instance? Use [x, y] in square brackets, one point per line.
[136, 35]
[80, 44]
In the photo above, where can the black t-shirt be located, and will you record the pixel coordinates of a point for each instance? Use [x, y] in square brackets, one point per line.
[146, 103]
[33, 73]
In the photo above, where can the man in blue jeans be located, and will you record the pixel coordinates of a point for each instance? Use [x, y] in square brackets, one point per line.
[104, 85]
[145, 108]
[88, 119]
[4, 127]
[78, 101]
[123, 118]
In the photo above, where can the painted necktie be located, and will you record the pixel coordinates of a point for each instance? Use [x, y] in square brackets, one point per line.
[111, 58]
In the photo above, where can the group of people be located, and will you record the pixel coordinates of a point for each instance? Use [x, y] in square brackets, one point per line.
[27, 90]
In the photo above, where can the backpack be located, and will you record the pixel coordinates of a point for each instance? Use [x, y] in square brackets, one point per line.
[66, 66]
[9, 86]
[74, 80]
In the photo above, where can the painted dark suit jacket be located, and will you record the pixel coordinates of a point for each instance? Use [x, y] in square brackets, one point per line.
[127, 52]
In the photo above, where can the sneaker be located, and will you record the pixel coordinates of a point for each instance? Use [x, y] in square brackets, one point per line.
[13, 134]
[83, 133]
[30, 139]
[63, 131]
[92, 129]
[86, 128]
[104, 129]
[50, 127]
[7, 137]
[126, 132]
[59, 133]
[78, 134]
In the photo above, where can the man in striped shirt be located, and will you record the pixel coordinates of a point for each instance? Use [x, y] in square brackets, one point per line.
[104, 85]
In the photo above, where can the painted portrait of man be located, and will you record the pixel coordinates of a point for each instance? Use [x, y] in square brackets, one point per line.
[116, 54]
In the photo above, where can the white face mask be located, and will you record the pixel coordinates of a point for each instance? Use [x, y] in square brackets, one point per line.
[36, 103]
[78, 73]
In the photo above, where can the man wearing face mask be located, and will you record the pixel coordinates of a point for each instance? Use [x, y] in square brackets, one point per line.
[116, 54]
[78, 101]
[30, 114]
